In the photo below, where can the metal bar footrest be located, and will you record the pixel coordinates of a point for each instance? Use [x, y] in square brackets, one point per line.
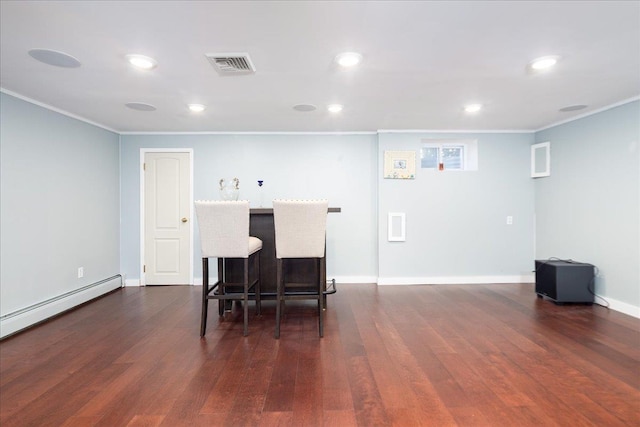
[331, 287]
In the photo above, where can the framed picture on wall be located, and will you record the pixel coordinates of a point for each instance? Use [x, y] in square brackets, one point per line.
[400, 164]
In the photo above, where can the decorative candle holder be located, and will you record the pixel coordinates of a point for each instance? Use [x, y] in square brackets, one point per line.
[229, 189]
[261, 197]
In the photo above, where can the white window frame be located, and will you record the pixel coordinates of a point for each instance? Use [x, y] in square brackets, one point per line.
[463, 156]
[469, 161]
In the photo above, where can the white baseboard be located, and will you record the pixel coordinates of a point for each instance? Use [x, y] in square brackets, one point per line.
[455, 280]
[353, 279]
[132, 282]
[14, 323]
[622, 307]
[136, 282]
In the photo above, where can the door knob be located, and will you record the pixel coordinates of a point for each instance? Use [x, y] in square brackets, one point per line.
[184, 219]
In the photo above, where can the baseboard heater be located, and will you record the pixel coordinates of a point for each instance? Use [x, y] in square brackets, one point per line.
[17, 320]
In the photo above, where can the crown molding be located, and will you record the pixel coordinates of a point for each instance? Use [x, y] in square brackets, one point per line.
[57, 110]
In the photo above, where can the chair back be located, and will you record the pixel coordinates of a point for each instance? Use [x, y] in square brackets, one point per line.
[224, 228]
[300, 227]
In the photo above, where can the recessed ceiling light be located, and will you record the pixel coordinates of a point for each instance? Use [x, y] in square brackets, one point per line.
[142, 62]
[473, 108]
[348, 59]
[304, 107]
[572, 108]
[543, 63]
[197, 108]
[140, 106]
[55, 58]
[334, 108]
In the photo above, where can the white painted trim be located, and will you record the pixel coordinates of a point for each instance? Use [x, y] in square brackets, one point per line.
[342, 280]
[132, 282]
[621, 307]
[250, 133]
[454, 131]
[57, 110]
[590, 113]
[455, 280]
[24, 320]
[141, 193]
[192, 215]
[137, 283]
[143, 151]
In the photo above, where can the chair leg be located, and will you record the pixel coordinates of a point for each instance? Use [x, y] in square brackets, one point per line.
[322, 265]
[280, 292]
[323, 283]
[257, 288]
[205, 292]
[221, 302]
[245, 297]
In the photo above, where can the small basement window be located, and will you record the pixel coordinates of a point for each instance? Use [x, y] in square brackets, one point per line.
[449, 154]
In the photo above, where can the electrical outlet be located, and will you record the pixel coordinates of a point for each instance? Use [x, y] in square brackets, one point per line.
[509, 220]
[80, 272]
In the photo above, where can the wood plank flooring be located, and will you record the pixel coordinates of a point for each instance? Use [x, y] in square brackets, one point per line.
[437, 355]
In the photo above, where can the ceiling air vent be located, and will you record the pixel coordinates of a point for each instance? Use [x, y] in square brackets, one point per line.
[228, 64]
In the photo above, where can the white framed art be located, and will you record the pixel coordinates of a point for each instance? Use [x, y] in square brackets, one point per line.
[400, 164]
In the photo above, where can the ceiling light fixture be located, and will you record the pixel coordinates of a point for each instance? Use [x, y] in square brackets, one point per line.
[142, 62]
[473, 108]
[543, 63]
[348, 59]
[334, 108]
[197, 108]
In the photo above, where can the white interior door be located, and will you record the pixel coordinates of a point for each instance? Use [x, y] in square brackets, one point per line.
[167, 209]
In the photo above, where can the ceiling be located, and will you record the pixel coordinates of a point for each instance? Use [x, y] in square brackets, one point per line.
[422, 62]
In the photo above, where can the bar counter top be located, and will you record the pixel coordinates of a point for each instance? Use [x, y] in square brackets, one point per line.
[269, 211]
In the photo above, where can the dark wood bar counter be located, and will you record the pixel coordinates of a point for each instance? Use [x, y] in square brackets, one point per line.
[297, 270]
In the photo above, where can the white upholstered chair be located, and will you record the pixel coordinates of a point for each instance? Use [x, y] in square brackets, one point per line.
[224, 233]
[300, 228]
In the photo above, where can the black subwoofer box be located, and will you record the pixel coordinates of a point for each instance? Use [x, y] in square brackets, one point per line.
[565, 281]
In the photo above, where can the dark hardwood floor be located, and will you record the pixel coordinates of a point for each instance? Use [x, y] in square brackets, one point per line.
[483, 355]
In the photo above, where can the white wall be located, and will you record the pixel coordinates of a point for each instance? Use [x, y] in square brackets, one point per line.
[456, 220]
[341, 168]
[59, 208]
[588, 210]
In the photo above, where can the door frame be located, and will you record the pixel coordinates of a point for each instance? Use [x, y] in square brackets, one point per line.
[143, 151]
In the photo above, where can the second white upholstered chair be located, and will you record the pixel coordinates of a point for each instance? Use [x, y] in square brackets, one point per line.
[300, 227]
[224, 234]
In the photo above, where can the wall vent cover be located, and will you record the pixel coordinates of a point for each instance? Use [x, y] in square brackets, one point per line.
[228, 64]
